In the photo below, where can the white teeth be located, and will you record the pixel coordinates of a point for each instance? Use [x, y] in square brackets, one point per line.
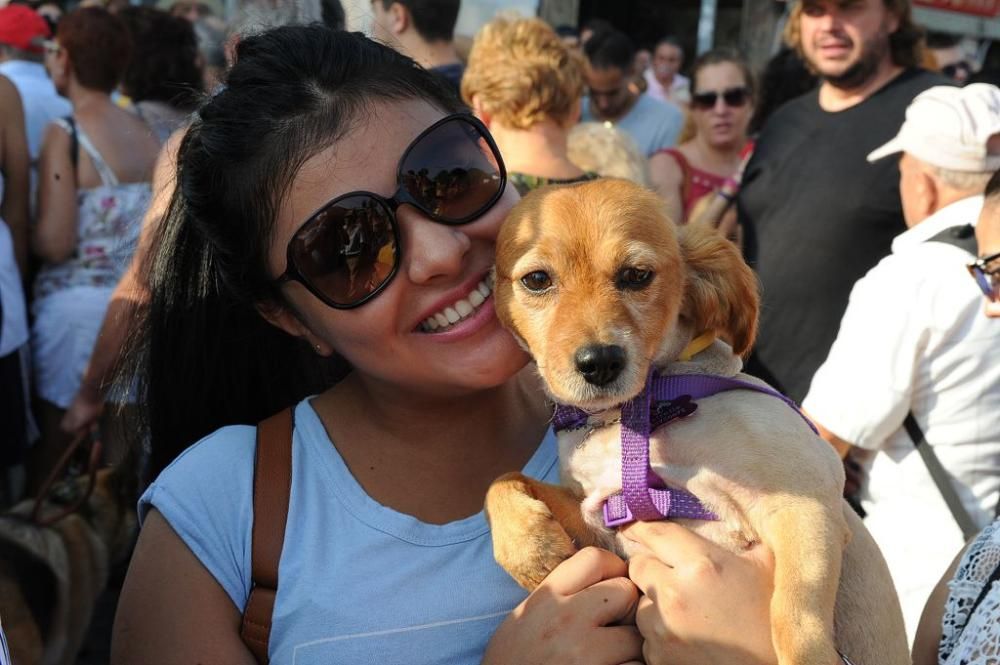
[460, 309]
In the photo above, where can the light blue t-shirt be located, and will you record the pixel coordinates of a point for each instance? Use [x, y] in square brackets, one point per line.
[359, 582]
[652, 124]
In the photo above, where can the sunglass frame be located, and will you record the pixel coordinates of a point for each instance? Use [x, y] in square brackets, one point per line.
[400, 197]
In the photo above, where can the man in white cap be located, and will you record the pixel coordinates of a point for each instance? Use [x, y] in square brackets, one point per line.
[913, 372]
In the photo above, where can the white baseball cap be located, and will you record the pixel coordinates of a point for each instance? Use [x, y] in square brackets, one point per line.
[949, 128]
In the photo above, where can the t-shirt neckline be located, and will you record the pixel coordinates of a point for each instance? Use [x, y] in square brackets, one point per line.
[406, 527]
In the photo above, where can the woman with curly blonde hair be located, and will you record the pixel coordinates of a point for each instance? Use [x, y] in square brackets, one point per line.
[525, 84]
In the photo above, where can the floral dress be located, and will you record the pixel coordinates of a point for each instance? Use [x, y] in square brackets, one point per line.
[72, 296]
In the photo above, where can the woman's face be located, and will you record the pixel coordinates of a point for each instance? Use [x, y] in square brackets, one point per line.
[57, 65]
[386, 339]
[724, 123]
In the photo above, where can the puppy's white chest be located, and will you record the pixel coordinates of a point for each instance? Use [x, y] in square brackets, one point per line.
[590, 460]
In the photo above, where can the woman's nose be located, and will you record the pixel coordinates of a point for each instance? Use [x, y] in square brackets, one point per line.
[430, 250]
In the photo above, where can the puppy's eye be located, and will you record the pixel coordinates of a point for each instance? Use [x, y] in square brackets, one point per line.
[537, 281]
[633, 278]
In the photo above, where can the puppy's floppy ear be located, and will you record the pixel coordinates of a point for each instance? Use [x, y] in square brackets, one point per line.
[720, 294]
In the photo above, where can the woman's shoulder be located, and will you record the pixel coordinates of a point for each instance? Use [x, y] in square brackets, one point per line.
[218, 467]
[206, 496]
[217, 470]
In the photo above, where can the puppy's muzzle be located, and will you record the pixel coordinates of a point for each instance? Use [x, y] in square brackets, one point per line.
[600, 364]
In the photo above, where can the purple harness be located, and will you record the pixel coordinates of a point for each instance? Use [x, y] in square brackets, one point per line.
[665, 398]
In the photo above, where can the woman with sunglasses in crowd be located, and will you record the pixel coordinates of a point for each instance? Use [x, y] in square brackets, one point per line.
[334, 201]
[720, 112]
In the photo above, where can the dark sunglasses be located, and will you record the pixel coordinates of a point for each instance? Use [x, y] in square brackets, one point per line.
[952, 70]
[984, 276]
[733, 98]
[346, 252]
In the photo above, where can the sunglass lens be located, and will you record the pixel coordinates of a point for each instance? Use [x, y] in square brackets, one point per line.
[704, 100]
[735, 98]
[452, 173]
[348, 250]
[984, 281]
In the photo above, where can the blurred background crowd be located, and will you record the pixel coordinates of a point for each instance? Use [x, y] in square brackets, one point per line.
[761, 118]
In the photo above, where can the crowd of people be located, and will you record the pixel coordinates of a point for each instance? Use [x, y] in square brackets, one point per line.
[205, 223]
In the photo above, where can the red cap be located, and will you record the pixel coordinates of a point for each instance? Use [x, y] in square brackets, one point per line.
[23, 28]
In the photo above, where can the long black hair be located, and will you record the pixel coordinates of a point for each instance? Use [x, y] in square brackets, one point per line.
[204, 356]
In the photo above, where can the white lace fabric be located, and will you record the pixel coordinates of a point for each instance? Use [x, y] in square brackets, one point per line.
[973, 640]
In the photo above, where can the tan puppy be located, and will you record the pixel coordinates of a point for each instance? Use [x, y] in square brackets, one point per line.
[597, 270]
[51, 577]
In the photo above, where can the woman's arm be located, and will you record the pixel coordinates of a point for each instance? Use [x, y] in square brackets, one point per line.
[172, 610]
[15, 161]
[54, 237]
[667, 178]
[580, 615]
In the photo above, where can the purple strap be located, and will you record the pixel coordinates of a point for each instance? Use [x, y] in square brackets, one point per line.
[665, 398]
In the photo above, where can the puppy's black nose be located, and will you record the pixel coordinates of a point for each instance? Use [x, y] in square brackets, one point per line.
[600, 364]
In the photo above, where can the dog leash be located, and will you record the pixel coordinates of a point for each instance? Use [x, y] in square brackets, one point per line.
[93, 461]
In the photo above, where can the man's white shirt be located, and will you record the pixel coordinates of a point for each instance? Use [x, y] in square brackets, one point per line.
[914, 338]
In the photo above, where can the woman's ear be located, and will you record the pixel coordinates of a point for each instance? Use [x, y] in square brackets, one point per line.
[285, 319]
[720, 293]
[480, 112]
[575, 114]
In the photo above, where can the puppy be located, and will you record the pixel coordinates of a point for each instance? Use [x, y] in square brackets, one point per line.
[51, 577]
[601, 288]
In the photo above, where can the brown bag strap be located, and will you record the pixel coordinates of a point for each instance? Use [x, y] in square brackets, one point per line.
[272, 487]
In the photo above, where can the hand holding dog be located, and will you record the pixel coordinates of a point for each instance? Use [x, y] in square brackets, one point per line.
[580, 614]
[701, 604]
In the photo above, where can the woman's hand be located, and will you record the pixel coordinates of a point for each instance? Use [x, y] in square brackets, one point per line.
[580, 614]
[84, 411]
[702, 605]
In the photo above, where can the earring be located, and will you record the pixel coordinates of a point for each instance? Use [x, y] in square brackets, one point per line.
[319, 348]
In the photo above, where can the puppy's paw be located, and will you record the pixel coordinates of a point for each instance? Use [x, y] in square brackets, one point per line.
[528, 541]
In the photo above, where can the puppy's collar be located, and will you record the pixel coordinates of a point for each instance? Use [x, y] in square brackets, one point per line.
[697, 345]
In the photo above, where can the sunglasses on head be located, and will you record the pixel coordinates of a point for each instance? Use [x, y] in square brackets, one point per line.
[732, 97]
[349, 250]
[985, 276]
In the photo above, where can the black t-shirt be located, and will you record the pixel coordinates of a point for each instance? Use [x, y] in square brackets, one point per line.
[817, 216]
[451, 75]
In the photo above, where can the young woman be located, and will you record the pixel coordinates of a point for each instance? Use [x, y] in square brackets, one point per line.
[721, 108]
[334, 200]
[93, 189]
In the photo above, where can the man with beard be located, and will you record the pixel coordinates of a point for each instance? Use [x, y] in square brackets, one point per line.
[816, 215]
